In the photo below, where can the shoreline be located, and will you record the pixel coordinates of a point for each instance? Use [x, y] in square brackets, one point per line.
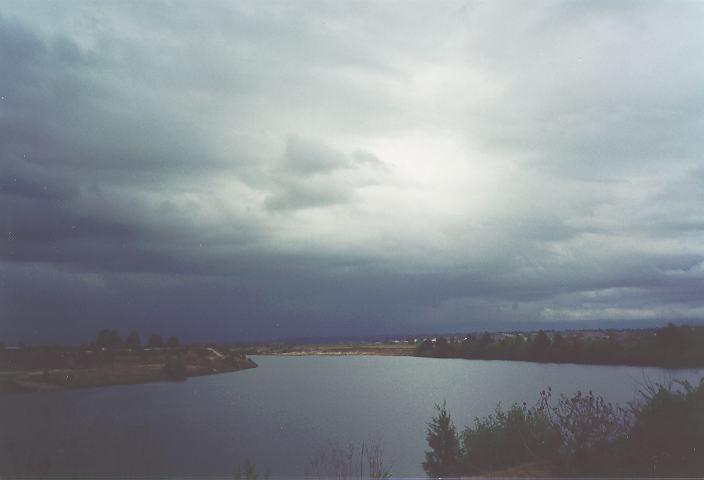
[211, 362]
[340, 350]
[333, 350]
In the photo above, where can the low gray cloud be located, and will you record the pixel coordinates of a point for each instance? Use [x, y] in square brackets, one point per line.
[237, 170]
[312, 174]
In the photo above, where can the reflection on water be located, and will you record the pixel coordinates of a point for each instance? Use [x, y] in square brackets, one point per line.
[281, 415]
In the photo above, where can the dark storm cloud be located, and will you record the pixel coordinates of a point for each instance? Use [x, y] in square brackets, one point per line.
[25, 180]
[235, 170]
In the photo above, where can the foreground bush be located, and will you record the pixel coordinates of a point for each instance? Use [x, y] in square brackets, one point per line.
[661, 434]
[518, 435]
[667, 437]
[591, 432]
[249, 473]
[340, 462]
[443, 459]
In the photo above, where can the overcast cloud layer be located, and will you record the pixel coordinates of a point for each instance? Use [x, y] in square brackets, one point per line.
[258, 170]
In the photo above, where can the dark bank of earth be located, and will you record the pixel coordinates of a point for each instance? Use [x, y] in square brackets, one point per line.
[39, 369]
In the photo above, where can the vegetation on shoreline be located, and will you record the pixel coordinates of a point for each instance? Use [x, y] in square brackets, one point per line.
[112, 360]
[671, 346]
[660, 434]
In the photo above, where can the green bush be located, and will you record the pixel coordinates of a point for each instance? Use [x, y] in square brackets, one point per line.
[590, 430]
[667, 437]
[506, 438]
[662, 434]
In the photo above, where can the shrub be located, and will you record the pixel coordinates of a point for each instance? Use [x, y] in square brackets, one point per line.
[340, 461]
[662, 434]
[374, 456]
[336, 461]
[667, 437]
[590, 430]
[506, 438]
[249, 473]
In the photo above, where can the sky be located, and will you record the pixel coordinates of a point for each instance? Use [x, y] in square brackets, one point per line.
[244, 171]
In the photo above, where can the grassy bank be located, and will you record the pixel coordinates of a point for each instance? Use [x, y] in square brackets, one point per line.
[45, 368]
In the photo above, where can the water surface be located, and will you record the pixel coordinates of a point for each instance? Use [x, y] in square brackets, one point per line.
[279, 415]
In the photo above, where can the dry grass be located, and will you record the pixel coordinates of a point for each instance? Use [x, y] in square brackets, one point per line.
[527, 470]
[337, 349]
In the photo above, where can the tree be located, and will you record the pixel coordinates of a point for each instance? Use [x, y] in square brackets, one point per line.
[443, 458]
[132, 339]
[425, 348]
[669, 336]
[108, 338]
[115, 340]
[671, 341]
[559, 347]
[173, 341]
[103, 338]
[155, 340]
[442, 348]
[540, 346]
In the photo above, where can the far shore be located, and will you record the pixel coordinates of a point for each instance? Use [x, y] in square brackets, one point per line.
[348, 349]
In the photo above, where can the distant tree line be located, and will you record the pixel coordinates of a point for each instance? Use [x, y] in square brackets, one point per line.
[111, 339]
[670, 346]
[661, 434]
